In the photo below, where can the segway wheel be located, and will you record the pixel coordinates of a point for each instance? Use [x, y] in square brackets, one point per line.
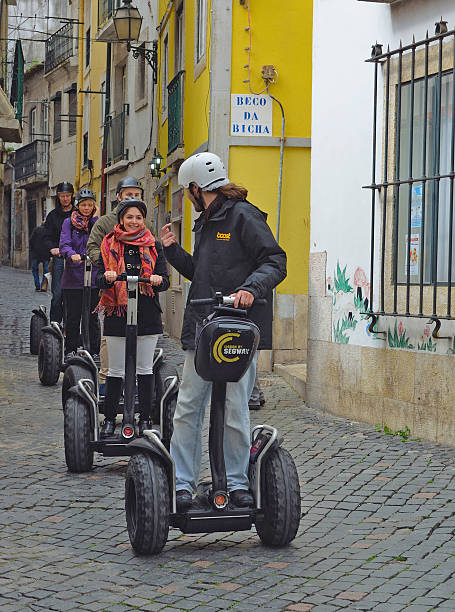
[147, 503]
[280, 493]
[77, 435]
[49, 359]
[73, 374]
[36, 325]
[165, 371]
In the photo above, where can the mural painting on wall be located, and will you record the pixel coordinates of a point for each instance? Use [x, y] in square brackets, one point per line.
[350, 321]
[350, 305]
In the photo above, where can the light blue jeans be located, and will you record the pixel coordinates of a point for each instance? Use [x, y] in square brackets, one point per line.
[186, 446]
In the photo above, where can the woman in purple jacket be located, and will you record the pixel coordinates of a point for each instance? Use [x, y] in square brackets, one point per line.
[73, 243]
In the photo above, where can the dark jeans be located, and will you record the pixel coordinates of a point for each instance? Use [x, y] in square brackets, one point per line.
[73, 308]
[35, 271]
[56, 313]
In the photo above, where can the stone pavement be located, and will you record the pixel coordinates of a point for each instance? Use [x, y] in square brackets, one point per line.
[377, 528]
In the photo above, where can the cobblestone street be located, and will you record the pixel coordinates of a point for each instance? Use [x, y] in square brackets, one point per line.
[377, 529]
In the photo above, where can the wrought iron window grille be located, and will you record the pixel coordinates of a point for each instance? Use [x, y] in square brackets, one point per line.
[412, 254]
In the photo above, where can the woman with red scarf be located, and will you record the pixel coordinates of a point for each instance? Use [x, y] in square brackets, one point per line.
[73, 243]
[130, 248]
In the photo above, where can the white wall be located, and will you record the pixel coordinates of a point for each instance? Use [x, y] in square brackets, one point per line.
[343, 114]
[343, 118]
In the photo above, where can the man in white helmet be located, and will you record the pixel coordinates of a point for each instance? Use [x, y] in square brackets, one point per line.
[235, 253]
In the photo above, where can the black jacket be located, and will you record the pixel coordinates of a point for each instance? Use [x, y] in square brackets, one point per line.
[233, 250]
[148, 307]
[53, 225]
[37, 243]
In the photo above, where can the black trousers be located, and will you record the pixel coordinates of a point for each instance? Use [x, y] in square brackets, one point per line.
[73, 308]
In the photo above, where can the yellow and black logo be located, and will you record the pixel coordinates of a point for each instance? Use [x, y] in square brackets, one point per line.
[222, 351]
[221, 236]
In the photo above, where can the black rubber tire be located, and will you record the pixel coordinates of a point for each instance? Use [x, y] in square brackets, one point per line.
[49, 359]
[72, 375]
[77, 435]
[147, 503]
[164, 371]
[36, 324]
[280, 491]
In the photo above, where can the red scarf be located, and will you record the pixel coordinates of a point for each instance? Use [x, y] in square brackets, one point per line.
[115, 299]
[79, 221]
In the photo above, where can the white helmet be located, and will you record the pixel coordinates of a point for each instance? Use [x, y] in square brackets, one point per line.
[204, 169]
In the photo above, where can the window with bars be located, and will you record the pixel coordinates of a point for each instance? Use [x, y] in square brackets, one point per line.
[412, 252]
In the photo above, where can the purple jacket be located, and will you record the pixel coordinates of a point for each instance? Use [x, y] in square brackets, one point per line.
[72, 242]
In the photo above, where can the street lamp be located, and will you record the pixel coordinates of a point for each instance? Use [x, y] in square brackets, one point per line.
[155, 165]
[127, 23]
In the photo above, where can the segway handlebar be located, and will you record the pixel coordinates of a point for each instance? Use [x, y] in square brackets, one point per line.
[124, 277]
[221, 300]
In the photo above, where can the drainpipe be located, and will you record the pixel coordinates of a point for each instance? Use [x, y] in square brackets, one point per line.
[280, 186]
[80, 99]
[107, 110]
[13, 210]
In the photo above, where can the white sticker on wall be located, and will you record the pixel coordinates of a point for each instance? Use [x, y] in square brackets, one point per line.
[251, 115]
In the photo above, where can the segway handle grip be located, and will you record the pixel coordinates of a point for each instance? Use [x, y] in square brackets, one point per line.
[124, 277]
[227, 301]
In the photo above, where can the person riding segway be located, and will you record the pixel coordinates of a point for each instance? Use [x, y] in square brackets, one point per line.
[130, 247]
[235, 253]
[64, 206]
[127, 187]
[73, 245]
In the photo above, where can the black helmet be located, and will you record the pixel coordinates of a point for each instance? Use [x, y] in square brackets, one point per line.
[64, 187]
[129, 203]
[129, 181]
[85, 194]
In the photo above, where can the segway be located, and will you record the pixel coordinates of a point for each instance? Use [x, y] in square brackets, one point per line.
[224, 350]
[82, 406]
[82, 365]
[37, 322]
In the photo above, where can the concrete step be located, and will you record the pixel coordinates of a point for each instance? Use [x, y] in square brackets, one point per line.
[294, 374]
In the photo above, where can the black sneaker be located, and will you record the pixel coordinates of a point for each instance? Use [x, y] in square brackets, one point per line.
[241, 498]
[254, 406]
[108, 428]
[184, 500]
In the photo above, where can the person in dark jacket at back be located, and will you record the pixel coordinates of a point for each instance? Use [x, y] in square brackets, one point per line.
[54, 221]
[73, 244]
[39, 254]
[235, 253]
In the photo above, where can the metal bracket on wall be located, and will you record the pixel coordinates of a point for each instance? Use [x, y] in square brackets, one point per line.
[374, 319]
[435, 332]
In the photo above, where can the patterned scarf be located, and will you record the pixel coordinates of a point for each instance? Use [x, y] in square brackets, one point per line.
[79, 221]
[115, 299]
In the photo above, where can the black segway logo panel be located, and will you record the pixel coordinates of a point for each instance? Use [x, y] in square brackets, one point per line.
[225, 349]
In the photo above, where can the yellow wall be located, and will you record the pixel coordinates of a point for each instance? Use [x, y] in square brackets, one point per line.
[196, 94]
[282, 36]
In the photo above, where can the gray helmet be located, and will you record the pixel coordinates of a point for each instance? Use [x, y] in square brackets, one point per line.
[123, 206]
[85, 194]
[129, 181]
[64, 187]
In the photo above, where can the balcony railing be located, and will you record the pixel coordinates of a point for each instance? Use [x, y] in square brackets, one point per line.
[32, 160]
[116, 149]
[106, 10]
[59, 47]
[175, 112]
